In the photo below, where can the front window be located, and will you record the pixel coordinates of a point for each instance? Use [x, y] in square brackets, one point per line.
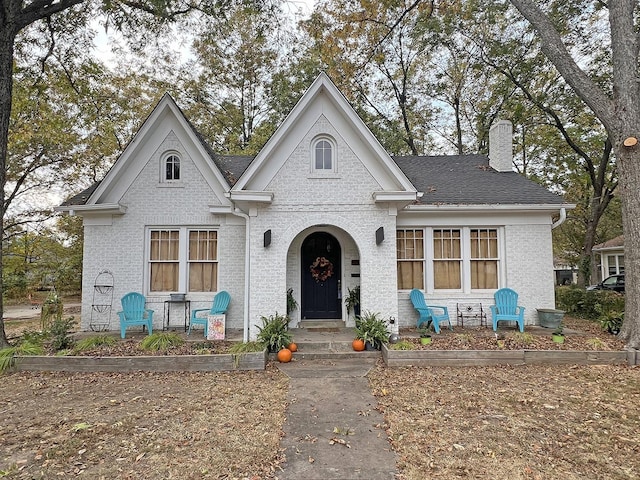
[484, 258]
[183, 260]
[410, 255]
[164, 260]
[616, 264]
[323, 156]
[459, 259]
[203, 260]
[447, 259]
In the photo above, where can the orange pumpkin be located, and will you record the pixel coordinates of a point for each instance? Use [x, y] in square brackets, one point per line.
[293, 347]
[284, 355]
[358, 345]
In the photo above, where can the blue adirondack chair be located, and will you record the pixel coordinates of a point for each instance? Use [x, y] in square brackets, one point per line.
[219, 306]
[134, 313]
[507, 309]
[428, 313]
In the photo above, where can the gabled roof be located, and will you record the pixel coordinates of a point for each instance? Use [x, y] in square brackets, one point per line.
[164, 118]
[324, 99]
[448, 180]
[469, 180]
[455, 180]
[613, 244]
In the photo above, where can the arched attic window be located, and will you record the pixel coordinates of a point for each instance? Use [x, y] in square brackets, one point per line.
[171, 168]
[324, 157]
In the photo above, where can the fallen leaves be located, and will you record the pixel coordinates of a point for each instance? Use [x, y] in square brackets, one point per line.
[339, 441]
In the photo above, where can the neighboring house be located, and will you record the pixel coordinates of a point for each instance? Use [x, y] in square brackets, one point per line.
[321, 209]
[565, 273]
[611, 255]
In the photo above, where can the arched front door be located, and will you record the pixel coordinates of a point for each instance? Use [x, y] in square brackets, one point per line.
[321, 269]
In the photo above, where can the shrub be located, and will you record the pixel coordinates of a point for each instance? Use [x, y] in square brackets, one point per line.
[7, 355]
[274, 334]
[370, 327]
[588, 304]
[161, 341]
[402, 345]
[239, 349]
[90, 343]
[59, 333]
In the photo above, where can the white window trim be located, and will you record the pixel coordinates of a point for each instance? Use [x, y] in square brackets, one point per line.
[465, 238]
[183, 258]
[323, 173]
[163, 170]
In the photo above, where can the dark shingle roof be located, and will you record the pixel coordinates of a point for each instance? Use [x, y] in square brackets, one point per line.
[468, 180]
[82, 197]
[232, 166]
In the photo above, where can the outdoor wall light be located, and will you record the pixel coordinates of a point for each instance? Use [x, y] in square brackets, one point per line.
[379, 235]
[267, 238]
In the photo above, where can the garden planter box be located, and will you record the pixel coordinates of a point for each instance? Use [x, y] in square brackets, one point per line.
[471, 358]
[156, 363]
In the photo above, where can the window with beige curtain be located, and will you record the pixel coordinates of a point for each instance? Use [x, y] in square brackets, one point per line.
[203, 261]
[484, 258]
[447, 259]
[164, 260]
[410, 258]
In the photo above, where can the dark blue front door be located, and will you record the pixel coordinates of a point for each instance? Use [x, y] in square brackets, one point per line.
[321, 270]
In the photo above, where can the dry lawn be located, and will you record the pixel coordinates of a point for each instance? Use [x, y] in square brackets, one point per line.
[142, 425]
[528, 422]
[524, 422]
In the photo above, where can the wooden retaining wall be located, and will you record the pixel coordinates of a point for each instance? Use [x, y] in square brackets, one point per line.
[469, 358]
[176, 363]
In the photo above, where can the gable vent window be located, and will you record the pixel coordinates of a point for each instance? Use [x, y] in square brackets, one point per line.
[172, 168]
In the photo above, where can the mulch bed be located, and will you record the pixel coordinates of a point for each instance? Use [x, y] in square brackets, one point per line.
[580, 334]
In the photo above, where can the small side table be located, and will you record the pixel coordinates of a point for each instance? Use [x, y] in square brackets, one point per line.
[167, 312]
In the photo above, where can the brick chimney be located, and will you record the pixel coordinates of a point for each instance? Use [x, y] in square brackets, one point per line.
[501, 146]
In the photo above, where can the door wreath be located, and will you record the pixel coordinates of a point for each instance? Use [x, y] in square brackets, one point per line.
[321, 269]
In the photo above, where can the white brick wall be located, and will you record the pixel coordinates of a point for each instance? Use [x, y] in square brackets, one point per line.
[528, 268]
[343, 204]
[340, 203]
[121, 248]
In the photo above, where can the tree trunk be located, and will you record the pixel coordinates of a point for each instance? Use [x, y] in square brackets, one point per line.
[629, 164]
[7, 36]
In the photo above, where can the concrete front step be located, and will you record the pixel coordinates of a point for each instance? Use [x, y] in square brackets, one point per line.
[332, 355]
[322, 325]
[330, 349]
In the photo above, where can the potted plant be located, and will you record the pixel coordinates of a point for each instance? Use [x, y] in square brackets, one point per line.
[425, 334]
[558, 335]
[292, 303]
[274, 332]
[372, 329]
[352, 301]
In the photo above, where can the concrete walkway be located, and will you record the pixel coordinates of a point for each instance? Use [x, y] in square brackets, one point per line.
[333, 430]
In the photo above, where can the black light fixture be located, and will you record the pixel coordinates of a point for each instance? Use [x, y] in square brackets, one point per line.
[379, 235]
[267, 238]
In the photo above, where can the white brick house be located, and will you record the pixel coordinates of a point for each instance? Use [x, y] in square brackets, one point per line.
[171, 216]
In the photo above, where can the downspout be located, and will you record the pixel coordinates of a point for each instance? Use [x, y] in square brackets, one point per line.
[560, 221]
[239, 213]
